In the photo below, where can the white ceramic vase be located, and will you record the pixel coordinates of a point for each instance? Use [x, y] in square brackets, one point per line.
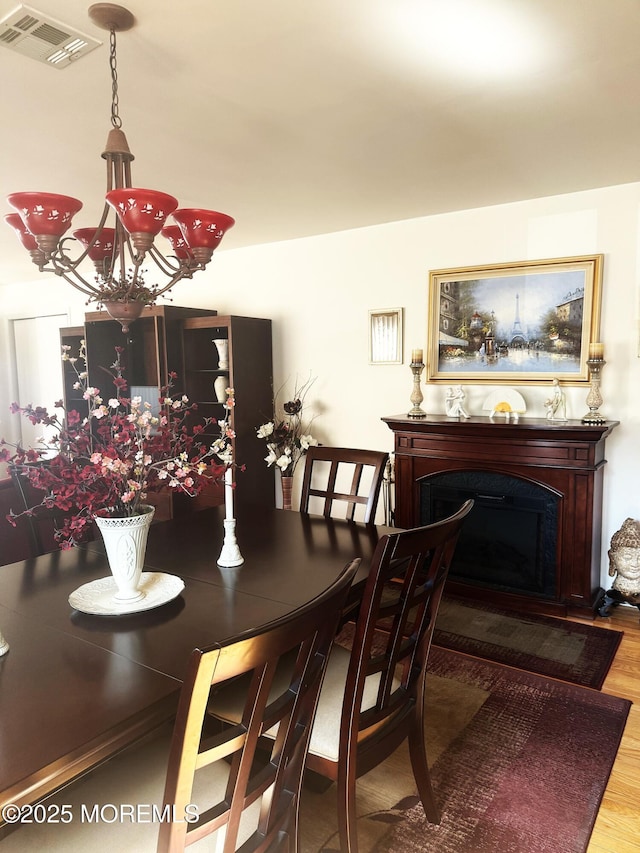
[125, 540]
[222, 345]
[220, 384]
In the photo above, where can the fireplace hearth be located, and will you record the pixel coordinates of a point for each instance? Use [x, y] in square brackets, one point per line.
[533, 539]
[509, 540]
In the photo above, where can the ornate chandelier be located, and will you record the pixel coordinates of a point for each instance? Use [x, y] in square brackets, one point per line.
[136, 216]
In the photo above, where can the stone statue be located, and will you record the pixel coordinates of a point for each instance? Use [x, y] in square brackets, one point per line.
[454, 402]
[624, 563]
[556, 405]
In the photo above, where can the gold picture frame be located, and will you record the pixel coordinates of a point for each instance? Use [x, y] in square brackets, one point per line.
[385, 336]
[521, 322]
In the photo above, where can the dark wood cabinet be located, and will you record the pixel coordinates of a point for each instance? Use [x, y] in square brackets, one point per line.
[171, 338]
[250, 373]
[566, 459]
[151, 348]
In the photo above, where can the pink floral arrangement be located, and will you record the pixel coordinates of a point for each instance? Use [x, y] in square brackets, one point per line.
[107, 463]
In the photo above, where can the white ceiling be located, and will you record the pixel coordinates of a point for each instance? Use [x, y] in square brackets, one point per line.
[302, 117]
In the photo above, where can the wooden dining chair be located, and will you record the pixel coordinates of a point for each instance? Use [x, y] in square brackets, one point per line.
[373, 696]
[213, 784]
[15, 542]
[349, 475]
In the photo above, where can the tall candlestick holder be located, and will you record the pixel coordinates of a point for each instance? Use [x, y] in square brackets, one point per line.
[416, 395]
[594, 397]
[230, 556]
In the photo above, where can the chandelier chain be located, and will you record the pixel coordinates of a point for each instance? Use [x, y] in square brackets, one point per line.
[116, 121]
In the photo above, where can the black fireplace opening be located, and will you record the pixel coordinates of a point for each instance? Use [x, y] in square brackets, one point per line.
[509, 539]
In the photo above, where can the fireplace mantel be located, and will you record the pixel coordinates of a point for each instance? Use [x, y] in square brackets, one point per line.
[565, 457]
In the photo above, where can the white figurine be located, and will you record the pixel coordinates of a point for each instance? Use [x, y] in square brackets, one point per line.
[556, 405]
[454, 402]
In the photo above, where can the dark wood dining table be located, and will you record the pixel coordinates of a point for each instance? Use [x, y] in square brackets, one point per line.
[77, 688]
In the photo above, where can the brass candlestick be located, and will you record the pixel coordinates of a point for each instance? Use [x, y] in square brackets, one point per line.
[416, 395]
[594, 397]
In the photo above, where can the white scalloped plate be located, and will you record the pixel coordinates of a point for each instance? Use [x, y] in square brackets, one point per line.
[97, 597]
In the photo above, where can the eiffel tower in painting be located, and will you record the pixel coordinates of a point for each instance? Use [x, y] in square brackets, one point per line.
[517, 338]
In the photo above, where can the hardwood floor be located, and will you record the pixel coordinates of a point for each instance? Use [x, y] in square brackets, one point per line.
[617, 827]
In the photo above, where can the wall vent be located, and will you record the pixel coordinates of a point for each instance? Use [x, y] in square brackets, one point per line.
[41, 37]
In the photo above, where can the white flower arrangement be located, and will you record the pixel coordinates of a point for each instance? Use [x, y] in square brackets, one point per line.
[287, 438]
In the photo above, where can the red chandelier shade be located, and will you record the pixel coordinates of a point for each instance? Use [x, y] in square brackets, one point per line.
[202, 230]
[27, 239]
[179, 245]
[102, 249]
[203, 227]
[141, 212]
[46, 215]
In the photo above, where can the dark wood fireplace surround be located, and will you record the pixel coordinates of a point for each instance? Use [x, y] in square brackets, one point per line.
[565, 457]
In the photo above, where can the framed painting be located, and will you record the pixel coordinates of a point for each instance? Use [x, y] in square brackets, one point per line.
[385, 336]
[530, 321]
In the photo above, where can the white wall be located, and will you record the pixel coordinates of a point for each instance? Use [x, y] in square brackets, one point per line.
[318, 292]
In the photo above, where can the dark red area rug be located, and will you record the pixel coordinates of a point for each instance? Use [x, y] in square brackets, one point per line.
[571, 651]
[519, 765]
[527, 772]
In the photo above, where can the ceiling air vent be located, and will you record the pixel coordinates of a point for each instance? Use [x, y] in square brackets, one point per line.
[42, 37]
